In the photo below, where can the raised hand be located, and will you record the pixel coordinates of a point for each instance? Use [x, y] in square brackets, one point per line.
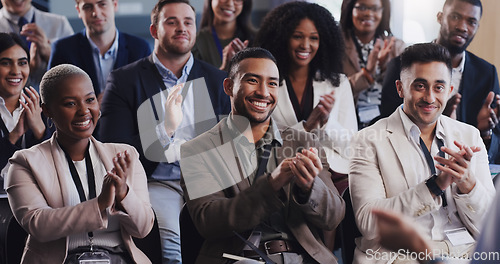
[371, 64]
[230, 50]
[487, 118]
[40, 45]
[383, 54]
[451, 106]
[173, 109]
[305, 167]
[33, 111]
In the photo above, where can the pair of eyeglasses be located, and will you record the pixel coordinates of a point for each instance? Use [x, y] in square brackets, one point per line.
[364, 8]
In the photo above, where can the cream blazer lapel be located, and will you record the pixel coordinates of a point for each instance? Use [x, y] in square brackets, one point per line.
[400, 144]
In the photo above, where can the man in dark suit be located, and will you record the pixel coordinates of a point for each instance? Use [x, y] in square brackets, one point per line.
[246, 175]
[158, 103]
[475, 79]
[100, 47]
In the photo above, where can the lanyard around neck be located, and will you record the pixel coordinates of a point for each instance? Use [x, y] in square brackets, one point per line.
[76, 176]
[430, 162]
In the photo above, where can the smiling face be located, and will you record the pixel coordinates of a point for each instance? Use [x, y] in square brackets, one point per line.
[176, 30]
[74, 109]
[254, 90]
[226, 11]
[459, 24]
[304, 43]
[366, 16]
[17, 7]
[425, 89]
[14, 71]
[98, 16]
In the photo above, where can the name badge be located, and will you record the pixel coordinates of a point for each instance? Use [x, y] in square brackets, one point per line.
[459, 236]
[96, 257]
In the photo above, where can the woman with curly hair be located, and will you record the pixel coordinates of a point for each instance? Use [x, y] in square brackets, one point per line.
[225, 29]
[315, 95]
[369, 48]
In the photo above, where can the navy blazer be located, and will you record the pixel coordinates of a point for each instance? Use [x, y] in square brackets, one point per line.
[76, 50]
[128, 87]
[478, 79]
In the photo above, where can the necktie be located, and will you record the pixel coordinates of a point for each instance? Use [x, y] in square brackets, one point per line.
[23, 21]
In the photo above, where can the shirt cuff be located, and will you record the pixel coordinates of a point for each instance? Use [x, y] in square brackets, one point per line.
[162, 135]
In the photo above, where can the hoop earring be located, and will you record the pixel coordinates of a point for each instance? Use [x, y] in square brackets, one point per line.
[100, 114]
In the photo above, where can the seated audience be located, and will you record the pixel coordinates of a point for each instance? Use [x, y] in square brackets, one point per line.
[314, 96]
[393, 163]
[137, 110]
[226, 28]
[21, 122]
[369, 46]
[100, 47]
[246, 176]
[475, 81]
[76, 197]
[37, 28]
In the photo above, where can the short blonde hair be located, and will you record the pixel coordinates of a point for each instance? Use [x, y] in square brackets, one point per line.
[53, 77]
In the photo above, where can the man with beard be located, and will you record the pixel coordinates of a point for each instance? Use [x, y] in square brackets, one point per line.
[475, 98]
[421, 164]
[247, 176]
[100, 47]
[158, 103]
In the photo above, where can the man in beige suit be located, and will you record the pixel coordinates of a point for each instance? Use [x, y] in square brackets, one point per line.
[421, 164]
[247, 176]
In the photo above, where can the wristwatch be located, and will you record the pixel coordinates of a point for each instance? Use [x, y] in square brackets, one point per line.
[432, 185]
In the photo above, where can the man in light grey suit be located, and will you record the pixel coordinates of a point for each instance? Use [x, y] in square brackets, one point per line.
[421, 163]
[247, 176]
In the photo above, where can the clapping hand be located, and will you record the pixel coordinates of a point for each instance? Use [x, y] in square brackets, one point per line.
[305, 167]
[173, 109]
[320, 114]
[457, 168]
[119, 174]
[230, 50]
[40, 45]
[487, 117]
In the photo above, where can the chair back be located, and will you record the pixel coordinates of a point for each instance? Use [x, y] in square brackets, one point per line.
[191, 240]
[151, 244]
[348, 230]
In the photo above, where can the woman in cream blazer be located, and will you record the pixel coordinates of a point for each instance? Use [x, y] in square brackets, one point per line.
[43, 194]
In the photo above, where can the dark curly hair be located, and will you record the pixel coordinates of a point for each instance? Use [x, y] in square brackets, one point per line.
[243, 21]
[277, 29]
[348, 26]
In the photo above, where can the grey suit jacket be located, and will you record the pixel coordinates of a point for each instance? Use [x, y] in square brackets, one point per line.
[36, 186]
[208, 163]
[382, 176]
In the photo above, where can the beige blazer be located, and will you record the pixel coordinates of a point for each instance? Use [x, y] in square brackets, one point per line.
[336, 134]
[352, 69]
[381, 176]
[208, 163]
[36, 189]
